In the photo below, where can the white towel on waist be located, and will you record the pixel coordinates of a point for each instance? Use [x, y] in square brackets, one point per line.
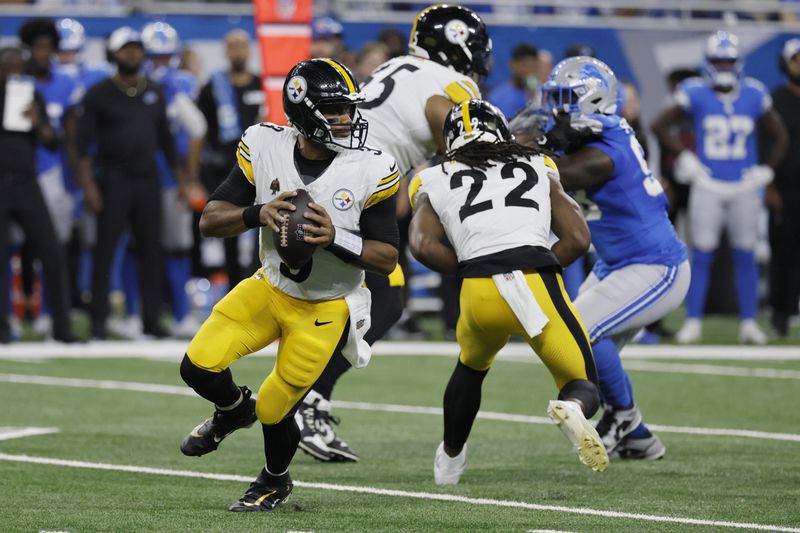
[356, 350]
[515, 291]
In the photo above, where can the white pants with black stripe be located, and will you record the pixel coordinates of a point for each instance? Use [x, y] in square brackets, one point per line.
[630, 298]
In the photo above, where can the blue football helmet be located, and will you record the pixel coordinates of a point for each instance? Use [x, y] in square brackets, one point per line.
[722, 67]
[580, 86]
[72, 36]
[160, 39]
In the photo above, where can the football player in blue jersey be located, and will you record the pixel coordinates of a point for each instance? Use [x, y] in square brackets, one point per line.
[70, 61]
[642, 272]
[162, 46]
[72, 40]
[727, 174]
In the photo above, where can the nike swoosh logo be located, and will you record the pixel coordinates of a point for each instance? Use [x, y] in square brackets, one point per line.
[196, 435]
[258, 501]
[318, 323]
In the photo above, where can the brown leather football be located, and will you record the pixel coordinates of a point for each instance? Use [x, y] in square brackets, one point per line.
[289, 243]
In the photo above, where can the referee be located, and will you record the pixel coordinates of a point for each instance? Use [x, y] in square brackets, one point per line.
[124, 117]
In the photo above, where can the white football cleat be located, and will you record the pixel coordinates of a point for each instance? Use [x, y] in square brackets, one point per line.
[42, 325]
[750, 333]
[569, 418]
[447, 470]
[129, 328]
[690, 332]
[186, 328]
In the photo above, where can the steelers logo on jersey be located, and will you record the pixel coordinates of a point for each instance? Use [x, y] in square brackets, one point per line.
[456, 31]
[343, 200]
[296, 89]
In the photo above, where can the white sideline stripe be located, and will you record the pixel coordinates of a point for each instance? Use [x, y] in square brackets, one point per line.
[398, 493]
[712, 370]
[383, 407]
[8, 433]
[175, 349]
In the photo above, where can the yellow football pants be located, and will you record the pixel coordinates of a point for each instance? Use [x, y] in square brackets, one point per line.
[486, 323]
[252, 316]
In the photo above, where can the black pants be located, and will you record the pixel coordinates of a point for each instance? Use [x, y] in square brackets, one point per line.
[784, 267]
[21, 201]
[134, 204]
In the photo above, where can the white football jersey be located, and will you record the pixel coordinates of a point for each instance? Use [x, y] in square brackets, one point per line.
[396, 94]
[354, 181]
[485, 212]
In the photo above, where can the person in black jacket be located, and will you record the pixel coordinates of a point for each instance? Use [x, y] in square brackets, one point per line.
[125, 118]
[21, 200]
[783, 199]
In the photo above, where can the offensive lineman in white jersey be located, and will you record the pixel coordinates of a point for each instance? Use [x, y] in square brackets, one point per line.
[492, 199]
[316, 309]
[406, 102]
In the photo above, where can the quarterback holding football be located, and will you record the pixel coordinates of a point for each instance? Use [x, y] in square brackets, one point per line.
[325, 206]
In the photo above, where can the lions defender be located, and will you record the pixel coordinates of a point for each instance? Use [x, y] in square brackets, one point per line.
[495, 201]
[406, 102]
[316, 310]
[642, 272]
[162, 46]
[726, 173]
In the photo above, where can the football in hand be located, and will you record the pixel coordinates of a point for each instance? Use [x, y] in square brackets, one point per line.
[289, 242]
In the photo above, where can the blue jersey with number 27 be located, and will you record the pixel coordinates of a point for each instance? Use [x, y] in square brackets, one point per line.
[627, 214]
[725, 125]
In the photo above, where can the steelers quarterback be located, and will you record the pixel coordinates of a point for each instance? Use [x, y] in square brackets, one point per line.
[496, 202]
[406, 101]
[315, 308]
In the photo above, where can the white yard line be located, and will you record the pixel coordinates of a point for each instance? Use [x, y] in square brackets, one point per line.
[366, 406]
[400, 494]
[174, 350]
[8, 433]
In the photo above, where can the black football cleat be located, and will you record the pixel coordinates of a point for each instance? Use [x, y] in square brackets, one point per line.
[206, 437]
[264, 494]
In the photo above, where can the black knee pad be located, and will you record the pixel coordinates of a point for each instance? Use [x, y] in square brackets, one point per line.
[585, 391]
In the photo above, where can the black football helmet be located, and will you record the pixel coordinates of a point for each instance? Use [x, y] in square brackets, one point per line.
[453, 36]
[311, 87]
[475, 120]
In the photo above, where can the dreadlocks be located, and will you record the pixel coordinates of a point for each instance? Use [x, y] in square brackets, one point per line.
[481, 155]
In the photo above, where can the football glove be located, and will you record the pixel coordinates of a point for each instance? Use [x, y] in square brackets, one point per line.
[758, 176]
[689, 168]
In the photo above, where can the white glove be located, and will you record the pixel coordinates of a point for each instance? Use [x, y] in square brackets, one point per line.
[689, 168]
[758, 176]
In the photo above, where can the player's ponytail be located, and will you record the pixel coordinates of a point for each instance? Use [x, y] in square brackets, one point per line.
[482, 155]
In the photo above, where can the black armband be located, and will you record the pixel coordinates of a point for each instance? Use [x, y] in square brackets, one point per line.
[346, 246]
[251, 216]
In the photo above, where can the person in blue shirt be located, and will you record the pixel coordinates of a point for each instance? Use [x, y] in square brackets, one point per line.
[512, 96]
[60, 93]
[162, 46]
[726, 172]
[70, 61]
[642, 272]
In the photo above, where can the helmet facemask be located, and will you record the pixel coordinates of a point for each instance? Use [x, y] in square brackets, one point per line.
[722, 67]
[327, 129]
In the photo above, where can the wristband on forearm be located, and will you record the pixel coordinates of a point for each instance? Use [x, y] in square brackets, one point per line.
[251, 216]
[346, 246]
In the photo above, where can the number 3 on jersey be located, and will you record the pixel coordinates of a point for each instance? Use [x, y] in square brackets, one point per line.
[513, 199]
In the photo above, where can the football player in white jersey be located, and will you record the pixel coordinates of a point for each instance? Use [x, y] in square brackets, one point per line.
[406, 101]
[315, 309]
[496, 202]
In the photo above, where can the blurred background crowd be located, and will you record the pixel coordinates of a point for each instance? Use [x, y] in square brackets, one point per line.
[99, 198]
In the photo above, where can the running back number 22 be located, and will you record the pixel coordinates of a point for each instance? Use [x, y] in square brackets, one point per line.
[513, 199]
